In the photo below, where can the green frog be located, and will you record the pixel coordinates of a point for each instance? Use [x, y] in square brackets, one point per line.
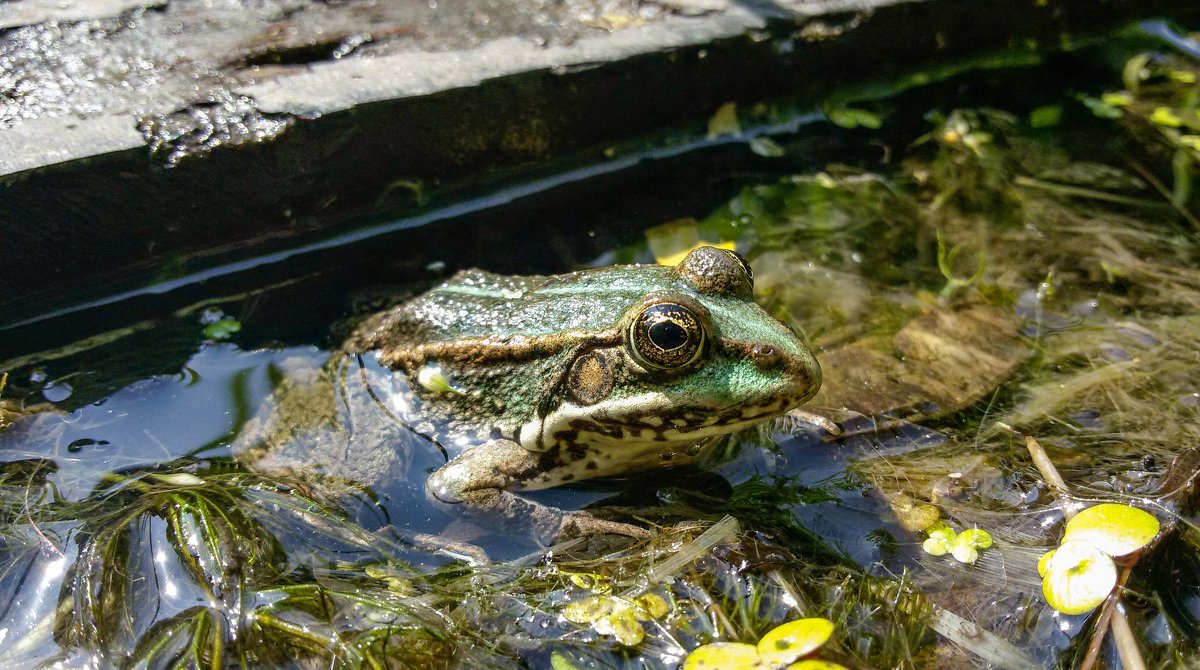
[531, 382]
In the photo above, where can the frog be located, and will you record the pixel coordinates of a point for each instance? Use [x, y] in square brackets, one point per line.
[534, 382]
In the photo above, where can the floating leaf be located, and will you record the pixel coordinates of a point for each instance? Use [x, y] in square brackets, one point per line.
[222, 329]
[724, 122]
[1101, 108]
[1117, 98]
[976, 537]
[589, 609]
[560, 662]
[1045, 117]
[1043, 561]
[964, 553]
[590, 581]
[723, 656]
[936, 546]
[1190, 141]
[1165, 116]
[1113, 528]
[788, 642]
[1078, 578]
[766, 147]
[622, 625]
[677, 257]
[940, 541]
[847, 117]
[652, 605]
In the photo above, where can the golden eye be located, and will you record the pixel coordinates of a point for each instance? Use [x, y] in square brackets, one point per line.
[666, 336]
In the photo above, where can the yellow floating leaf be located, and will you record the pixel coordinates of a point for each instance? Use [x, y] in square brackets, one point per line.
[651, 605]
[667, 239]
[1165, 116]
[560, 662]
[1118, 98]
[589, 609]
[1043, 561]
[786, 643]
[723, 656]
[964, 553]
[622, 625]
[675, 258]
[589, 581]
[815, 664]
[941, 539]
[724, 122]
[1078, 578]
[976, 537]
[1113, 528]
[936, 545]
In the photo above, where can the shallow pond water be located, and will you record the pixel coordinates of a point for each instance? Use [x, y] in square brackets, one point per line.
[970, 277]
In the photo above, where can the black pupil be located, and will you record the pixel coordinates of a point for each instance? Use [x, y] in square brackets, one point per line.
[667, 335]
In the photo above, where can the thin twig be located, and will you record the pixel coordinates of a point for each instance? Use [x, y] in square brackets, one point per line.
[1127, 646]
[1103, 622]
[1045, 466]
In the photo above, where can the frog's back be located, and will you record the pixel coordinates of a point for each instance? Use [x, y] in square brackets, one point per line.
[479, 304]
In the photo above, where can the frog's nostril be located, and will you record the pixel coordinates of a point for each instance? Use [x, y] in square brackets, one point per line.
[766, 357]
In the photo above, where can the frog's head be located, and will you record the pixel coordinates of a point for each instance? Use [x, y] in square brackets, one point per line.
[692, 358]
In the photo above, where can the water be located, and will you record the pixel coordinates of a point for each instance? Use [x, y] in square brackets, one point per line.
[133, 535]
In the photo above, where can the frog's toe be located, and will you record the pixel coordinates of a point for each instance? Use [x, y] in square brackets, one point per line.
[583, 524]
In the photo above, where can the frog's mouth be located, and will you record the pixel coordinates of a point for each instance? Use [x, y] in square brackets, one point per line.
[649, 418]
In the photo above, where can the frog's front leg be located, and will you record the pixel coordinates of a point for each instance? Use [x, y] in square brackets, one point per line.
[481, 479]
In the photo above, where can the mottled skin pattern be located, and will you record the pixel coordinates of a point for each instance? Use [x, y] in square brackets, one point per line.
[536, 381]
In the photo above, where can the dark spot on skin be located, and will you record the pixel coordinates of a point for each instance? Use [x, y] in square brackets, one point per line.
[591, 465]
[567, 477]
[576, 451]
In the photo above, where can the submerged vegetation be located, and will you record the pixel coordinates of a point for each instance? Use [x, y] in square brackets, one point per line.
[1070, 284]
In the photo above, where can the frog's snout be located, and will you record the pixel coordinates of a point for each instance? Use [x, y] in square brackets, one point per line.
[803, 374]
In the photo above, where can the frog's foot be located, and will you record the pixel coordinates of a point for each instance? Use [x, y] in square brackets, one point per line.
[582, 524]
[449, 547]
[479, 481]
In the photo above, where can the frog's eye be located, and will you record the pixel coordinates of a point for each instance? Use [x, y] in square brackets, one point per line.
[666, 336]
